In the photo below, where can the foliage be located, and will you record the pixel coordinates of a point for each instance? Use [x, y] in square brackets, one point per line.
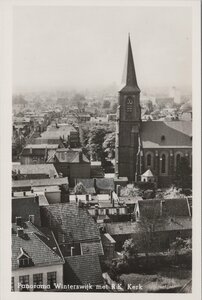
[130, 191]
[183, 173]
[130, 249]
[181, 246]
[95, 141]
[109, 144]
[79, 189]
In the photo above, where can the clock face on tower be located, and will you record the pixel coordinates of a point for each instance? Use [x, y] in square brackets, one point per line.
[129, 104]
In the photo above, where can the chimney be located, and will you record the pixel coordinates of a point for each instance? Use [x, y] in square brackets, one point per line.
[80, 156]
[18, 221]
[31, 218]
[111, 196]
[30, 150]
[72, 251]
[20, 232]
[36, 199]
[87, 198]
[118, 190]
[24, 193]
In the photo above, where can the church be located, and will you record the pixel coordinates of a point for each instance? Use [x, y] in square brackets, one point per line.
[152, 148]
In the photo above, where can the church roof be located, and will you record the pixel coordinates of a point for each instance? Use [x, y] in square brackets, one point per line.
[170, 134]
[130, 80]
[148, 173]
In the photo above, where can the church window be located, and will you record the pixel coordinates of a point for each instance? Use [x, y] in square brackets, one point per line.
[163, 164]
[148, 159]
[178, 158]
[129, 105]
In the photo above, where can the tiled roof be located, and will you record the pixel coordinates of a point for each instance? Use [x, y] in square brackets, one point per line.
[25, 206]
[150, 209]
[176, 207]
[34, 244]
[92, 248]
[176, 134]
[48, 169]
[83, 269]
[120, 228]
[70, 156]
[71, 220]
[16, 184]
[105, 184]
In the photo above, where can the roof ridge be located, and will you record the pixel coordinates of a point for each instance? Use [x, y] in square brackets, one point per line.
[53, 252]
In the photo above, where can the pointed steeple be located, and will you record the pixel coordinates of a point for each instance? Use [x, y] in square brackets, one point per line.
[130, 80]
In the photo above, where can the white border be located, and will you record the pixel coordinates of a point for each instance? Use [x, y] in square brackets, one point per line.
[5, 145]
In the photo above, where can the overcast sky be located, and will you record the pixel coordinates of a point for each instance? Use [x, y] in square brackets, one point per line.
[86, 46]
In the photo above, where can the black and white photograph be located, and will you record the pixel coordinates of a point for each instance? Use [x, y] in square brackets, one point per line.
[102, 169]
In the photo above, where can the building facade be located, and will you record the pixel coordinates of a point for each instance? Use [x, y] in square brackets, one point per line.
[142, 145]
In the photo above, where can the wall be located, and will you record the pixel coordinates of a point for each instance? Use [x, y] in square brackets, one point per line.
[53, 197]
[36, 270]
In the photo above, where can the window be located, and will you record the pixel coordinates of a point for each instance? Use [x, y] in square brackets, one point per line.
[163, 164]
[178, 158]
[129, 105]
[24, 262]
[12, 284]
[38, 280]
[23, 280]
[163, 138]
[51, 279]
[148, 159]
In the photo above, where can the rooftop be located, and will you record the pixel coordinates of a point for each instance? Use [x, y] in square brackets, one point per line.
[31, 240]
[175, 134]
[84, 269]
[48, 169]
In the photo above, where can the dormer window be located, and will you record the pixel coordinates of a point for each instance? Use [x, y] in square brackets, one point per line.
[23, 259]
[24, 262]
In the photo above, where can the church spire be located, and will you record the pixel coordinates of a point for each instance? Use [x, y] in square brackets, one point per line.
[130, 80]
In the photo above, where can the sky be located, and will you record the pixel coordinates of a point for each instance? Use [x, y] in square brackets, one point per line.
[85, 47]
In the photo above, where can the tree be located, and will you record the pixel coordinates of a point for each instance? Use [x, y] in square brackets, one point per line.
[130, 250]
[80, 189]
[183, 173]
[95, 142]
[109, 144]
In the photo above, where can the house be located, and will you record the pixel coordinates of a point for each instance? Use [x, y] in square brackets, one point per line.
[104, 185]
[73, 227]
[83, 270]
[35, 171]
[72, 163]
[158, 222]
[26, 207]
[37, 263]
[36, 153]
[55, 189]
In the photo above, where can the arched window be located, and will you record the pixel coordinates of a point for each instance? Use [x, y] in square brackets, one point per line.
[178, 158]
[148, 160]
[129, 105]
[163, 163]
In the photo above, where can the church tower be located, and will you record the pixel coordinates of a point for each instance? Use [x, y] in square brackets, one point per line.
[128, 122]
